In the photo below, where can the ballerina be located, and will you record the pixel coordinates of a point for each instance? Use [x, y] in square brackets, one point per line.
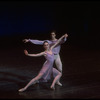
[47, 70]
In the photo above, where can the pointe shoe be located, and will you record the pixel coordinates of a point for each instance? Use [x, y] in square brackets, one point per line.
[21, 90]
[52, 87]
[58, 83]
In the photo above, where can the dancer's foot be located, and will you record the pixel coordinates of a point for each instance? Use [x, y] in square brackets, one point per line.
[52, 87]
[58, 83]
[21, 90]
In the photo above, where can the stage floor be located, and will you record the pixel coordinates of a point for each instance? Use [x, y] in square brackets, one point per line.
[81, 71]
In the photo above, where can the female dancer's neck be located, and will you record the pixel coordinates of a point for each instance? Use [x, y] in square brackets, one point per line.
[47, 49]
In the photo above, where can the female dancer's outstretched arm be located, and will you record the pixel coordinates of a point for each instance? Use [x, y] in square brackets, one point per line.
[59, 40]
[33, 55]
[34, 80]
[63, 40]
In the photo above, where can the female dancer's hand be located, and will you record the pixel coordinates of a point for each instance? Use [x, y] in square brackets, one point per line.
[26, 52]
[66, 35]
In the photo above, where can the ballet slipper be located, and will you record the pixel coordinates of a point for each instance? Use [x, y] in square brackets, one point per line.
[21, 90]
[58, 83]
[52, 87]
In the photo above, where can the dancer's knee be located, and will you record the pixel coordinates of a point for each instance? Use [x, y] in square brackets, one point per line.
[59, 66]
[60, 74]
[60, 70]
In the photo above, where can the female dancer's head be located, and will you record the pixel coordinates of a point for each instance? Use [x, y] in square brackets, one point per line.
[46, 45]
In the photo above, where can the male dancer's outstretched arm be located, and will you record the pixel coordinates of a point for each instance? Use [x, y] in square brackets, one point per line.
[37, 42]
[40, 42]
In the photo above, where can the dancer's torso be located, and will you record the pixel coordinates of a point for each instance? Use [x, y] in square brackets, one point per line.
[55, 50]
[49, 57]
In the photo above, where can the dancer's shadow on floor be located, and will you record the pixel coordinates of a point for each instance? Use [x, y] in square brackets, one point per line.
[40, 90]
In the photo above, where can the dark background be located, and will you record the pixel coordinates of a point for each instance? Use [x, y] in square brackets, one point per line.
[24, 19]
[80, 54]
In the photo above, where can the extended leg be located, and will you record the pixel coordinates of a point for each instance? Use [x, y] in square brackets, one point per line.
[33, 81]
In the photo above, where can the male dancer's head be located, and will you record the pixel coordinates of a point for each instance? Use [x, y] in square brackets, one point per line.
[53, 35]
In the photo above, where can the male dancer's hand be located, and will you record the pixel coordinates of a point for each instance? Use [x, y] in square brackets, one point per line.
[25, 40]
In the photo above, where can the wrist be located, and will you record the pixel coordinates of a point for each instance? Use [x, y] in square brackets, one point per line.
[29, 40]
